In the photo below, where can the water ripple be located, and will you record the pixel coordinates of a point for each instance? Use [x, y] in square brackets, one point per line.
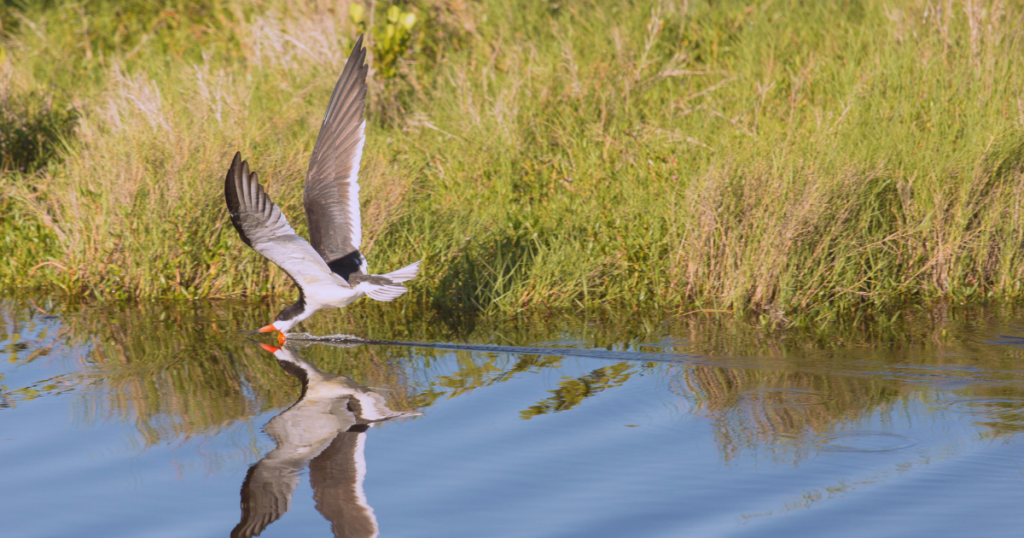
[863, 441]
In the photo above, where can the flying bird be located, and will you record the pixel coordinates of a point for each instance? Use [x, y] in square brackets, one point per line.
[329, 270]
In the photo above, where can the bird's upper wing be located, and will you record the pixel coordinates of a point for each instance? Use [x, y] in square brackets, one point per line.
[331, 196]
[337, 476]
[263, 227]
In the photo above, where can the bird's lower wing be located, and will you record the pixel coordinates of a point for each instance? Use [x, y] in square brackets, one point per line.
[262, 226]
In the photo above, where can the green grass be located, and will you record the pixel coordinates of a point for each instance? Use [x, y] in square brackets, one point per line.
[804, 161]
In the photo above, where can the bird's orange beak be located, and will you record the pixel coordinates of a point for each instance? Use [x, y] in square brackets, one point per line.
[269, 348]
[270, 328]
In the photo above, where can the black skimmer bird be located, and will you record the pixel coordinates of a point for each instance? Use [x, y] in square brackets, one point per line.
[326, 430]
[329, 269]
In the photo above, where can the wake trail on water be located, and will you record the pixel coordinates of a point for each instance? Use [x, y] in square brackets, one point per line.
[348, 340]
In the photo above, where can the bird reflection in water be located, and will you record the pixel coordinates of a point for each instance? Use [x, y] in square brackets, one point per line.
[325, 429]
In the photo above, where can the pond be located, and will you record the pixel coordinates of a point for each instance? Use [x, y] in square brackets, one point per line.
[166, 420]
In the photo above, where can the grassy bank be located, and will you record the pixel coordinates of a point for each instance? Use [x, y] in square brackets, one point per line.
[801, 160]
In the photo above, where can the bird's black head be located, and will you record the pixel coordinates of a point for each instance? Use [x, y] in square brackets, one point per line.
[292, 315]
[291, 312]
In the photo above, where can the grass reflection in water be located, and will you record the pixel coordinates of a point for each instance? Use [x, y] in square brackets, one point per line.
[180, 370]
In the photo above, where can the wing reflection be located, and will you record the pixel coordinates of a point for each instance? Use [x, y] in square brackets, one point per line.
[325, 429]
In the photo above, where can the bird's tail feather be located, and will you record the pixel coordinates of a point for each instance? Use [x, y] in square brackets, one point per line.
[378, 292]
[406, 273]
[390, 292]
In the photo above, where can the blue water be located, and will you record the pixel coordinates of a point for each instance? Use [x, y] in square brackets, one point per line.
[660, 450]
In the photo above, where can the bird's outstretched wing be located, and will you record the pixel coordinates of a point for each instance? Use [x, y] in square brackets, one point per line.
[331, 196]
[266, 496]
[337, 476]
[262, 226]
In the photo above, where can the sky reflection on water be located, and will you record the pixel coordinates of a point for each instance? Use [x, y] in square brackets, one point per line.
[159, 420]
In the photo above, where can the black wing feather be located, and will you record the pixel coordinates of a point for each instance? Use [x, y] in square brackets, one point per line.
[256, 217]
[331, 195]
[261, 225]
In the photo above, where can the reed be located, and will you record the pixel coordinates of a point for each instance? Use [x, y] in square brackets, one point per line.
[799, 161]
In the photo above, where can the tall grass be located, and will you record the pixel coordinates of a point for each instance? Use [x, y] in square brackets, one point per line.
[800, 160]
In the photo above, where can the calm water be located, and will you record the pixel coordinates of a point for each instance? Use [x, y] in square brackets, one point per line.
[163, 420]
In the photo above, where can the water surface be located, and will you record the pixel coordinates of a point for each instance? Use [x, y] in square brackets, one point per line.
[164, 420]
